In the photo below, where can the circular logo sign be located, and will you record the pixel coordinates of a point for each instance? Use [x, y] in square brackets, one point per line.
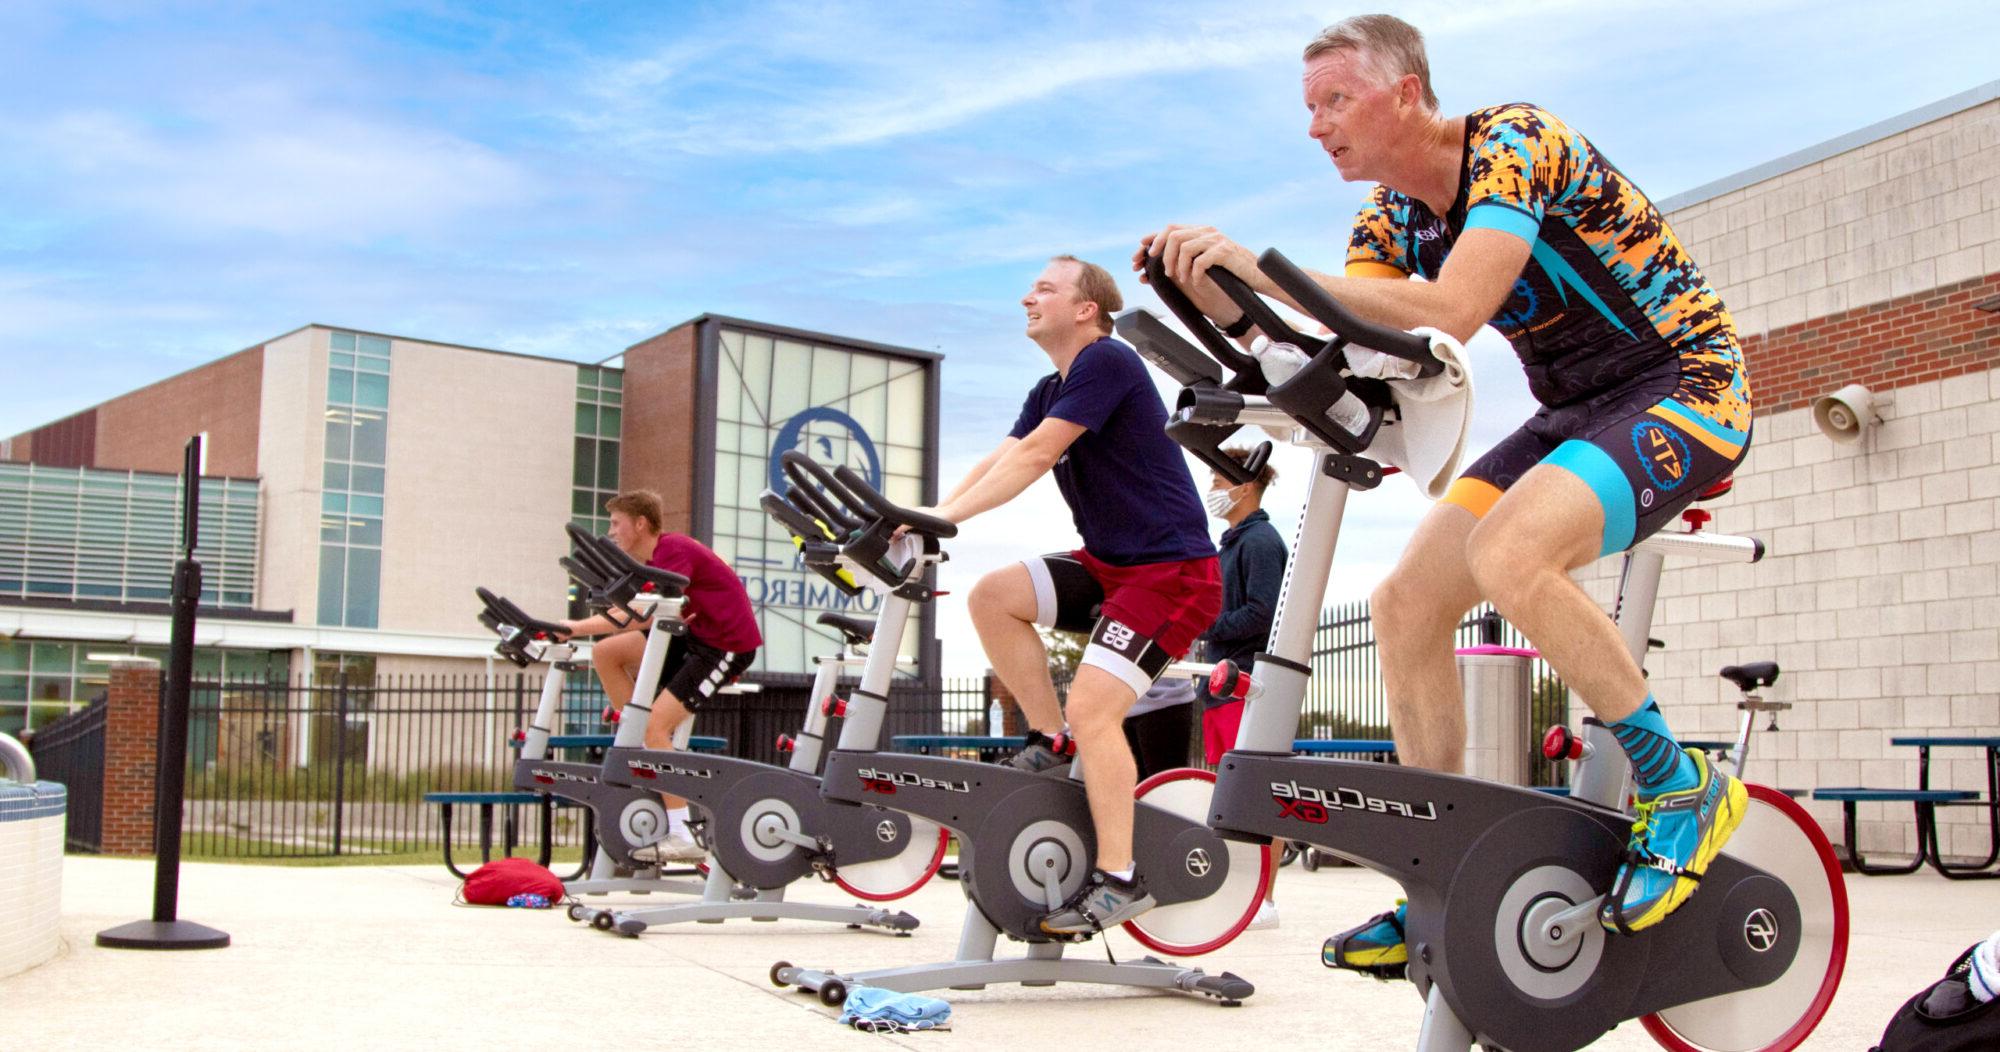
[829, 436]
[1760, 930]
[885, 831]
[1198, 862]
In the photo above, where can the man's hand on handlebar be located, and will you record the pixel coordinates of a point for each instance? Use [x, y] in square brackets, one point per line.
[1187, 252]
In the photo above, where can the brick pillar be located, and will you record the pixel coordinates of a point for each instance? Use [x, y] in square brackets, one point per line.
[131, 756]
[1010, 712]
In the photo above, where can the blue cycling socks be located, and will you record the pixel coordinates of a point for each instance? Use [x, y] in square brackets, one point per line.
[1658, 761]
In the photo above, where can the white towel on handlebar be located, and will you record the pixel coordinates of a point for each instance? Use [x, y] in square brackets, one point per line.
[1428, 441]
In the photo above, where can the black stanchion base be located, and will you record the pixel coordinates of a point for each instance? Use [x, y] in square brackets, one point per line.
[167, 935]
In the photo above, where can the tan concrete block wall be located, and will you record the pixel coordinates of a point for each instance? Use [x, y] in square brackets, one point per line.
[1879, 598]
[477, 486]
[291, 442]
[1908, 213]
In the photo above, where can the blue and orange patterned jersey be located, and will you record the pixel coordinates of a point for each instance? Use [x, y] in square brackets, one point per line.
[1608, 297]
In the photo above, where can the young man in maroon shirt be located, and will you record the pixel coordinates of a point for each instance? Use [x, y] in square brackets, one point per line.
[720, 644]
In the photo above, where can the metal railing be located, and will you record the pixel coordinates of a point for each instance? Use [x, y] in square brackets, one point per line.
[71, 751]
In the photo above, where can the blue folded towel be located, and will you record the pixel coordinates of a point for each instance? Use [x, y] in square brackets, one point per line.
[872, 1008]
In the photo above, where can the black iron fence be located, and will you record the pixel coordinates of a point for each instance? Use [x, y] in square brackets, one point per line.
[294, 769]
[71, 751]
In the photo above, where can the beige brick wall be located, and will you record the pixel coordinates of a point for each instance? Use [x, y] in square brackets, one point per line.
[1879, 598]
[1907, 213]
[477, 486]
[290, 442]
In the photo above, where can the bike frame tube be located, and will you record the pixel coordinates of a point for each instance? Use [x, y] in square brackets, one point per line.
[1271, 719]
[868, 706]
[631, 732]
[536, 747]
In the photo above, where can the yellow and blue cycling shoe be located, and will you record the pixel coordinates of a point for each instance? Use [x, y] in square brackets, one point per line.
[1675, 837]
[1374, 947]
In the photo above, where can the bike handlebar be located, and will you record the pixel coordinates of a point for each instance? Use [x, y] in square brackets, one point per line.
[1347, 328]
[849, 497]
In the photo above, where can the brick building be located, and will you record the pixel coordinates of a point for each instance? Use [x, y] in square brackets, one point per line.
[1870, 259]
[364, 483]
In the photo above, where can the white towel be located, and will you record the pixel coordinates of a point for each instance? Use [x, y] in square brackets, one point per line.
[1429, 441]
[1984, 979]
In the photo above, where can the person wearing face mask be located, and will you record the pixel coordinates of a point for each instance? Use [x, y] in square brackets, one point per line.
[1253, 569]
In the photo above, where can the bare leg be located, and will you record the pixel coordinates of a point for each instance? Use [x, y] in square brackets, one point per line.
[1002, 605]
[616, 659]
[1098, 702]
[1544, 526]
[1416, 610]
[668, 715]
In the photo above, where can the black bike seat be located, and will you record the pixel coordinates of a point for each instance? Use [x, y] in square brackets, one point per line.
[1751, 676]
[854, 630]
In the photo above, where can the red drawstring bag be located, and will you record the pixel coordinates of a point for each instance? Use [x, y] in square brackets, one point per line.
[495, 882]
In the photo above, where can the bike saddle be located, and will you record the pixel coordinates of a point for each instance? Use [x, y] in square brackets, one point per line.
[854, 630]
[1751, 676]
[1717, 488]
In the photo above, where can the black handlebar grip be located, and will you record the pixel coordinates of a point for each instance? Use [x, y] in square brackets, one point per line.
[901, 516]
[1218, 346]
[1308, 294]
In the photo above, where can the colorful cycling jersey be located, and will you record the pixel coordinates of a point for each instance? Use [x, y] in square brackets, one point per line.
[1609, 296]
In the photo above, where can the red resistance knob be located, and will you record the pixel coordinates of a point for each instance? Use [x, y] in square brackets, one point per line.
[1696, 518]
[833, 707]
[1228, 683]
[785, 743]
[610, 715]
[520, 735]
[1063, 744]
[1560, 744]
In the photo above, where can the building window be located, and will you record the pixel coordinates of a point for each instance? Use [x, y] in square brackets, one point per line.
[357, 451]
[599, 420]
[43, 682]
[112, 536]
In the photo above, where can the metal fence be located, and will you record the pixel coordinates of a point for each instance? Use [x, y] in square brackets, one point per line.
[282, 768]
[71, 751]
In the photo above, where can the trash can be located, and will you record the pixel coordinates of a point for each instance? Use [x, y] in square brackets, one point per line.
[1498, 683]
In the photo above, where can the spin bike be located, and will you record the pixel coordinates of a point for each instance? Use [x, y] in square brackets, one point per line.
[1503, 882]
[622, 819]
[765, 826]
[1026, 841]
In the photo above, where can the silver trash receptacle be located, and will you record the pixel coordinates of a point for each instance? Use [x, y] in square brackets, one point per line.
[1498, 683]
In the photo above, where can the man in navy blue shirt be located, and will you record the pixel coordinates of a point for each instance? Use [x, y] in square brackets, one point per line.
[1145, 583]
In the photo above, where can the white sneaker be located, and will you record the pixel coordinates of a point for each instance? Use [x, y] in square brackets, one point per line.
[676, 847]
[1267, 917]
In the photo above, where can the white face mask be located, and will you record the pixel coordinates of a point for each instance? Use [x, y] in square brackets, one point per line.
[1218, 503]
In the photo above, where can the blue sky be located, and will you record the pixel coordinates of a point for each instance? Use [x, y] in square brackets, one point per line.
[180, 181]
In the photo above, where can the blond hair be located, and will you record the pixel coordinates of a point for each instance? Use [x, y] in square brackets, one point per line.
[1392, 46]
[1094, 284]
[640, 504]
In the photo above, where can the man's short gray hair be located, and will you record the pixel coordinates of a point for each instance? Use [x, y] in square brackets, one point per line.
[1391, 45]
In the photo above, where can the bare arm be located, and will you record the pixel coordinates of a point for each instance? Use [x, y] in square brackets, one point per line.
[1478, 275]
[980, 469]
[1015, 468]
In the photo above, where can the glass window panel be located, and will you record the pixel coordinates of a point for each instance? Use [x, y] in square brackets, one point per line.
[368, 364]
[829, 375]
[607, 465]
[50, 688]
[13, 719]
[363, 504]
[906, 409]
[335, 476]
[376, 345]
[343, 361]
[611, 398]
[902, 460]
[371, 390]
[371, 438]
[791, 367]
[13, 688]
[332, 572]
[582, 502]
[586, 420]
[333, 529]
[364, 531]
[586, 376]
[13, 656]
[725, 437]
[364, 580]
[341, 341]
[54, 657]
[366, 479]
[609, 423]
[612, 379]
[339, 438]
[340, 387]
[585, 471]
[731, 341]
[333, 503]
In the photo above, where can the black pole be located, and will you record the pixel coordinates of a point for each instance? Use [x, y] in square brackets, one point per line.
[166, 931]
[339, 759]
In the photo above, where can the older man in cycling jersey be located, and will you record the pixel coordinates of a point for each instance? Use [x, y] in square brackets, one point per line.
[1514, 219]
